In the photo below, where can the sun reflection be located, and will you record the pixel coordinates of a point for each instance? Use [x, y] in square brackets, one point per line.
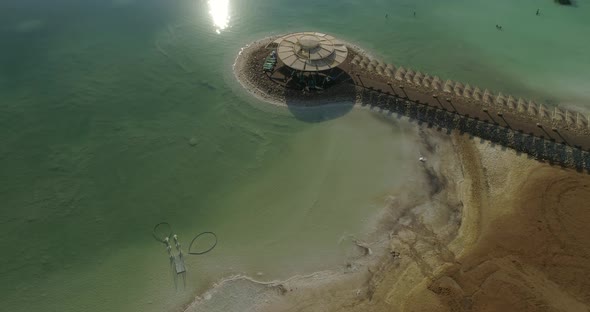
[219, 11]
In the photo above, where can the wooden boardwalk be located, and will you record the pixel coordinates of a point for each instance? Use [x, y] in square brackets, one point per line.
[555, 135]
[451, 103]
[538, 137]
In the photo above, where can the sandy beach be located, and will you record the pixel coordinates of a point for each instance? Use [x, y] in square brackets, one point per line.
[429, 205]
[119, 115]
[497, 231]
[500, 232]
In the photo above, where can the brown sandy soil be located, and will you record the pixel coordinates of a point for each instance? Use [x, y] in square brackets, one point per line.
[533, 252]
[522, 245]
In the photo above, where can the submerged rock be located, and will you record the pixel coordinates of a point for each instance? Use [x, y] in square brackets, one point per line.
[207, 85]
[193, 141]
[564, 2]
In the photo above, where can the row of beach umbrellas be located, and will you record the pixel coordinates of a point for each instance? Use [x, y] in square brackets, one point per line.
[467, 91]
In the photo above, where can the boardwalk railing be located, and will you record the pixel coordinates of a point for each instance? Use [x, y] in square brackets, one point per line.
[554, 135]
[528, 109]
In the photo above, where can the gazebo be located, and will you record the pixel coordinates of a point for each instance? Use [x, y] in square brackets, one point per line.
[310, 52]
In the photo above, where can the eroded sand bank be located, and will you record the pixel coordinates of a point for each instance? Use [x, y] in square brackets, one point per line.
[428, 205]
[522, 245]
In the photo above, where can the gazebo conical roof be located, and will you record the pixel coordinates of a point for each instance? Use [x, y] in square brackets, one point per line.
[311, 51]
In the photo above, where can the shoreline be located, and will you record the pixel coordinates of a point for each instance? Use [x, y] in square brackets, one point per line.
[556, 136]
[243, 75]
[361, 63]
[437, 266]
[375, 269]
[356, 271]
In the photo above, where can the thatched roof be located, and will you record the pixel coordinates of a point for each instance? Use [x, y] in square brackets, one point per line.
[458, 88]
[449, 86]
[533, 109]
[400, 73]
[487, 97]
[311, 51]
[409, 75]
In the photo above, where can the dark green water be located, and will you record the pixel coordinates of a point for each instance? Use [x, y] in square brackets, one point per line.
[118, 115]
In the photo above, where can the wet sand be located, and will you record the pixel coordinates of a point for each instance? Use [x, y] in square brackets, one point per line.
[428, 202]
[521, 245]
[499, 231]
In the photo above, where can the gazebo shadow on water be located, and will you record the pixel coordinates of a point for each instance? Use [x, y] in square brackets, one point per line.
[320, 113]
[335, 100]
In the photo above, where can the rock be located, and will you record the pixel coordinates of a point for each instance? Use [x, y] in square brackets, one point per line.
[564, 2]
[207, 85]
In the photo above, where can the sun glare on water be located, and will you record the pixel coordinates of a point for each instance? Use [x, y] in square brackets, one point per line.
[219, 11]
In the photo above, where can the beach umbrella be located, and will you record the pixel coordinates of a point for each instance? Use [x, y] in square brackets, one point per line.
[533, 109]
[581, 121]
[426, 80]
[311, 51]
[400, 73]
[409, 75]
[389, 72]
[365, 62]
[570, 118]
[500, 100]
[487, 97]
[544, 112]
[476, 94]
[458, 88]
[511, 103]
[436, 83]
[522, 106]
[467, 91]
[418, 78]
[558, 114]
[448, 86]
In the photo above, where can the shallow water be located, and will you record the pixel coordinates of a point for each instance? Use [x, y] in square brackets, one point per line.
[118, 115]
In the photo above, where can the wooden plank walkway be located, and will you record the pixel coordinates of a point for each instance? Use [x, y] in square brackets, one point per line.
[452, 103]
[554, 144]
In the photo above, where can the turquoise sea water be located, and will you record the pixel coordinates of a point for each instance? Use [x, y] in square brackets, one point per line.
[117, 115]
